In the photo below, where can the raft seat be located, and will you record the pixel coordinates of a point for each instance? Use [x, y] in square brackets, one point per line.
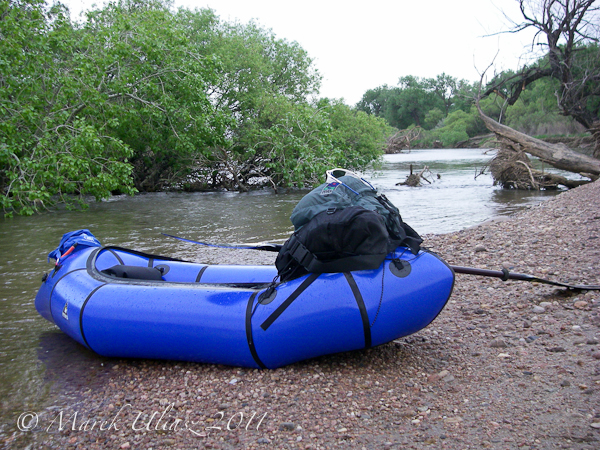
[134, 272]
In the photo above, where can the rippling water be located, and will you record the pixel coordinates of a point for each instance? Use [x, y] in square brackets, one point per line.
[458, 199]
[32, 351]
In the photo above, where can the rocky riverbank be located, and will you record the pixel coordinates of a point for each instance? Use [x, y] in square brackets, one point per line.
[507, 365]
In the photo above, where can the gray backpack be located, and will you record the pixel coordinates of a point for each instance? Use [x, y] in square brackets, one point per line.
[343, 225]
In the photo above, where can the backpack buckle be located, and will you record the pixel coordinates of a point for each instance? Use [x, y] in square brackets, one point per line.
[331, 210]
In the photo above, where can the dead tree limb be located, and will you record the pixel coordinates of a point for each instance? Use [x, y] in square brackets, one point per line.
[558, 155]
[402, 140]
[414, 179]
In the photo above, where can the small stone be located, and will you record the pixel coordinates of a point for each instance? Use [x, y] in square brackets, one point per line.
[592, 341]
[546, 305]
[263, 440]
[580, 304]
[433, 378]
[125, 445]
[557, 349]
[443, 373]
[595, 425]
[480, 248]
[498, 343]
[342, 430]
[287, 426]
[565, 383]
[503, 355]
[576, 328]
[453, 420]
[596, 355]
[539, 309]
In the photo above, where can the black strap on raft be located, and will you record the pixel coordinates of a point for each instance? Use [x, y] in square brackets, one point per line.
[294, 295]
[250, 339]
[200, 273]
[361, 307]
[504, 275]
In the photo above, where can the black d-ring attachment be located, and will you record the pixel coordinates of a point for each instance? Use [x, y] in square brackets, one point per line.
[400, 268]
[164, 269]
[268, 296]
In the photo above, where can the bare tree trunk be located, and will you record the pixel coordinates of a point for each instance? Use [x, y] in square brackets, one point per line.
[557, 155]
[595, 130]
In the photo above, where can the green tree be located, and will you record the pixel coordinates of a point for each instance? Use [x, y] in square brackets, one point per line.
[358, 137]
[410, 102]
[264, 83]
[383, 102]
[88, 110]
[433, 118]
[292, 144]
[47, 150]
[253, 62]
[536, 111]
[154, 81]
[313, 138]
[452, 92]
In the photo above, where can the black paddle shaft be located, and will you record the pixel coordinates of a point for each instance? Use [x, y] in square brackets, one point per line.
[503, 274]
[506, 275]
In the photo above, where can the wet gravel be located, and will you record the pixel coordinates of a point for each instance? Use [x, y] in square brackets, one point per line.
[507, 365]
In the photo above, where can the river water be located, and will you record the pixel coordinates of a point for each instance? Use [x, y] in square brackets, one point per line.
[33, 353]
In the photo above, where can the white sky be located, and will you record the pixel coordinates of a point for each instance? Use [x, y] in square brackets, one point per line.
[360, 45]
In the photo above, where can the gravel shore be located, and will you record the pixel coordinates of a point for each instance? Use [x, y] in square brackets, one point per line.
[507, 365]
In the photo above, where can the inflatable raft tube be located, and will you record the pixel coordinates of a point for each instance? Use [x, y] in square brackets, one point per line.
[127, 304]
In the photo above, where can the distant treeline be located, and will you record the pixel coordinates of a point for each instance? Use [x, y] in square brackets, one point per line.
[442, 109]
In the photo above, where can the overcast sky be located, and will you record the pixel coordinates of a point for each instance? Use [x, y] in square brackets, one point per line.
[360, 45]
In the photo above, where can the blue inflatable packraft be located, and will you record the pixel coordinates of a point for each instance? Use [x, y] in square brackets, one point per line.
[128, 304]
